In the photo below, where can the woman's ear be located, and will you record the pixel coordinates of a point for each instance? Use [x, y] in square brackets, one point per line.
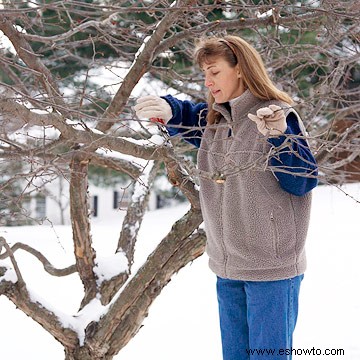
[239, 75]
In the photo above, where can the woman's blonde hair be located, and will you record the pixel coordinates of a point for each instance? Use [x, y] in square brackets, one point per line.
[237, 52]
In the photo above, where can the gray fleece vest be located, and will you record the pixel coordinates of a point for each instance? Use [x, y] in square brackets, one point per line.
[255, 230]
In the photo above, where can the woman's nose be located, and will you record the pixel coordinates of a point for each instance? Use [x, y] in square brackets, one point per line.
[208, 82]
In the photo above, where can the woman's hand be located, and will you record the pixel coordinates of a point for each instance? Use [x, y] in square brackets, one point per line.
[270, 121]
[154, 108]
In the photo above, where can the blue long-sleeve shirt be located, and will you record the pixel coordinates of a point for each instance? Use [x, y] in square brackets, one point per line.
[189, 120]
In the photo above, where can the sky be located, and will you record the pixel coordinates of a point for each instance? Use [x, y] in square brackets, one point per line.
[183, 320]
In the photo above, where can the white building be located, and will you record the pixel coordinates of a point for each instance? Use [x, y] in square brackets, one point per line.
[52, 203]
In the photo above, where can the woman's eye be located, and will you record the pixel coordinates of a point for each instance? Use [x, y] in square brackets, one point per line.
[215, 73]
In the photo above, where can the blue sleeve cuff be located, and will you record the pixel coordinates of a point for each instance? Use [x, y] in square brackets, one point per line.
[187, 115]
[297, 169]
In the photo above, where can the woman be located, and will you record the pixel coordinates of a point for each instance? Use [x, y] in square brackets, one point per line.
[256, 214]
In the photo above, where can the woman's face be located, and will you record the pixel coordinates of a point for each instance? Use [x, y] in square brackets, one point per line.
[224, 81]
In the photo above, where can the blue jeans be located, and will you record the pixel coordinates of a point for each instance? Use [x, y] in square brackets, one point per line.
[257, 318]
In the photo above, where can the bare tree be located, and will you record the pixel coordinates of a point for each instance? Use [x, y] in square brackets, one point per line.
[56, 115]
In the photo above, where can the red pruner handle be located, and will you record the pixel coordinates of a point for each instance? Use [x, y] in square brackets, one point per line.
[158, 120]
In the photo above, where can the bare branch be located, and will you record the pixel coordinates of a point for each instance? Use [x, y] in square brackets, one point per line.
[66, 88]
[73, 31]
[130, 228]
[20, 280]
[135, 212]
[32, 60]
[189, 250]
[48, 267]
[139, 67]
[120, 165]
[47, 319]
[145, 285]
[80, 211]
[238, 24]
[20, 296]
[14, 111]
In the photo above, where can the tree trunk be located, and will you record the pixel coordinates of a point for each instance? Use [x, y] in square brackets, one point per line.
[85, 353]
[79, 210]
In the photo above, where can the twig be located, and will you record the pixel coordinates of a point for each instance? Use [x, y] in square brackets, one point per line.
[49, 268]
[21, 281]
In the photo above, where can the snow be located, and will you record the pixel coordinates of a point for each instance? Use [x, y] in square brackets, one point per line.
[109, 266]
[137, 162]
[91, 312]
[155, 139]
[183, 321]
[142, 184]
[264, 15]
[81, 127]
[140, 50]
[65, 319]
[5, 43]
[9, 275]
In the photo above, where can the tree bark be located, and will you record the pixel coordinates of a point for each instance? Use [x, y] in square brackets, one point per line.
[140, 66]
[35, 65]
[129, 232]
[125, 316]
[85, 353]
[31, 97]
[80, 212]
[48, 320]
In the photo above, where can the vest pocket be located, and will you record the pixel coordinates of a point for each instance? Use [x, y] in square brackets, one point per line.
[275, 234]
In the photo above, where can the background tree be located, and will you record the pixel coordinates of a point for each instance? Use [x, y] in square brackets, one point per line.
[60, 109]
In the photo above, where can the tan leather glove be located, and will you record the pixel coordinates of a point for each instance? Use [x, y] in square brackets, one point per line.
[154, 108]
[270, 121]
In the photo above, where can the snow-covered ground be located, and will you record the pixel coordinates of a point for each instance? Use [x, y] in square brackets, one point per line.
[183, 322]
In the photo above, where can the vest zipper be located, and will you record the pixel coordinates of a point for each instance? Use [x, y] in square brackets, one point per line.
[276, 235]
[227, 147]
[222, 231]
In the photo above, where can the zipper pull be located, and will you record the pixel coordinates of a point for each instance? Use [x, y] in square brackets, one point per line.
[219, 178]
